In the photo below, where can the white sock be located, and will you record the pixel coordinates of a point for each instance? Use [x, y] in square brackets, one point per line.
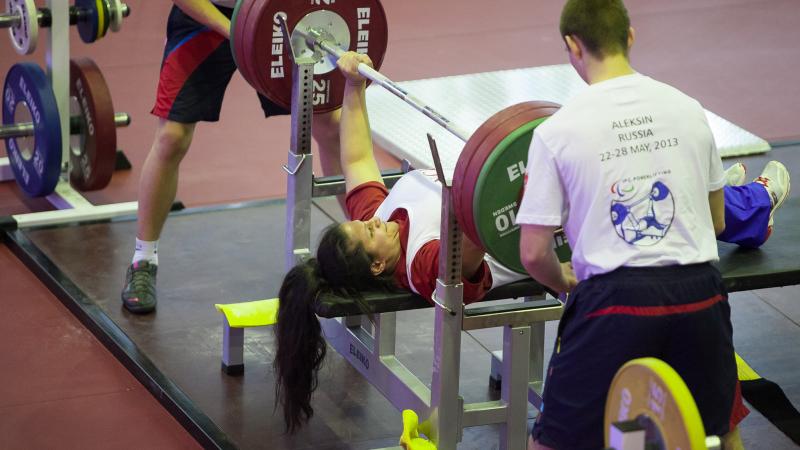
[146, 250]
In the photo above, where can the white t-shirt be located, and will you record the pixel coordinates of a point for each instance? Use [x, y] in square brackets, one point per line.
[626, 166]
[420, 195]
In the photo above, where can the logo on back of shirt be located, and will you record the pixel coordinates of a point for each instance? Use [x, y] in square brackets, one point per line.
[641, 212]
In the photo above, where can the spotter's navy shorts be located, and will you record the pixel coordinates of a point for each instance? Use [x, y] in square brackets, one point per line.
[679, 314]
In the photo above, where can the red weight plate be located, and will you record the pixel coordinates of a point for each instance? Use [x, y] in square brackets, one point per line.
[252, 22]
[269, 58]
[244, 29]
[237, 28]
[479, 147]
[93, 158]
[477, 138]
[468, 153]
[464, 168]
[537, 110]
[476, 163]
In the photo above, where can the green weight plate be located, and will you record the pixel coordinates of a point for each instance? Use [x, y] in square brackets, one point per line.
[472, 157]
[496, 196]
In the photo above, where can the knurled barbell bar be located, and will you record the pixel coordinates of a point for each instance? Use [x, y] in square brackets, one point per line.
[92, 17]
[31, 128]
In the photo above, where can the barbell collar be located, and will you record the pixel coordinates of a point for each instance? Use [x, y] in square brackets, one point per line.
[322, 39]
[26, 128]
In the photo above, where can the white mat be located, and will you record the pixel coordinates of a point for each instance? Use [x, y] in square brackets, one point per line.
[468, 100]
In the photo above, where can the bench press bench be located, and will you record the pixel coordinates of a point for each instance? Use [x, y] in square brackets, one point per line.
[776, 264]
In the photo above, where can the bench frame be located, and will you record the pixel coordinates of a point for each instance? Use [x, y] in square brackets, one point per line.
[368, 341]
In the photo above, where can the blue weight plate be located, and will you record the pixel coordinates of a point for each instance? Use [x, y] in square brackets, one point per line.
[36, 161]
[89, 25]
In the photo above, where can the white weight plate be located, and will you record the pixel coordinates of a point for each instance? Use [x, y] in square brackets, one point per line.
[115, 11]
[25, 34]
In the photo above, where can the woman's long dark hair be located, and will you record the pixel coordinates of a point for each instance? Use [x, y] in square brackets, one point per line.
[340, 267]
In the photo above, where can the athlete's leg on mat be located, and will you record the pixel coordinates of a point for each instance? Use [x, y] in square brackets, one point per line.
[750, 208]
[157, 188]
[732, 440]
[159, 180]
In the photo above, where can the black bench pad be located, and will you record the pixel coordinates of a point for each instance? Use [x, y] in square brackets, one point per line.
[775, 264]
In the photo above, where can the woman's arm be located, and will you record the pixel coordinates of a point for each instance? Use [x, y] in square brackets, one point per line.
[355, 139]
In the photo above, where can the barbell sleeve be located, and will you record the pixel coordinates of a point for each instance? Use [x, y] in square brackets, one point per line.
[9, 20]
[26, 128]
[320, 39]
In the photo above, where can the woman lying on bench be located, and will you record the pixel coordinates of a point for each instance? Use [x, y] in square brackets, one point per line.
[393, 242]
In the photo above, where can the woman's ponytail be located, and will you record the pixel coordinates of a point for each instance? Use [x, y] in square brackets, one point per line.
[301, 347]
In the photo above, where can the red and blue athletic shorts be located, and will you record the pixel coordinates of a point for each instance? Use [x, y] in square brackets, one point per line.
[679, 314]
[195, 70]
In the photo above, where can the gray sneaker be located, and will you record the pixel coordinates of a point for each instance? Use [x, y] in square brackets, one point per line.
[775, 178]
[139, 294]
[736, 175]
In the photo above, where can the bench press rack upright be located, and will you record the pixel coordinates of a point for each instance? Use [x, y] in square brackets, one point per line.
[367, 338]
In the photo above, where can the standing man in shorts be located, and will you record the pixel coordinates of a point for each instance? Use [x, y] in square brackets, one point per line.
[196, 69]
[630, 168]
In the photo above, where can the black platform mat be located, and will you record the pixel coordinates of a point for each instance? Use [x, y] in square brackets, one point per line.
[237, 255]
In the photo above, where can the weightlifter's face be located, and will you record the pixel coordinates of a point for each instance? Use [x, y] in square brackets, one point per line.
[381, 240]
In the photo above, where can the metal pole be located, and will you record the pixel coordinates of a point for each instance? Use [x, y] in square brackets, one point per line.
[299, 168]
[323, 40]
[75, 127]
[57, 57]
[446, 402]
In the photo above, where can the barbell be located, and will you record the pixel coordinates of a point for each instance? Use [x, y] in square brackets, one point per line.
[31, 128]
[93, 18]
[490, 172]
[649, 406]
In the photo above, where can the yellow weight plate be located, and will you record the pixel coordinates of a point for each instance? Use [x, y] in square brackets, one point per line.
[650, 387]
[102, 19]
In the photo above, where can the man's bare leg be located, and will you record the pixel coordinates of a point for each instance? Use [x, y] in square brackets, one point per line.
[159, 180]
[533, 445]
[732, 440]
[157, 188]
